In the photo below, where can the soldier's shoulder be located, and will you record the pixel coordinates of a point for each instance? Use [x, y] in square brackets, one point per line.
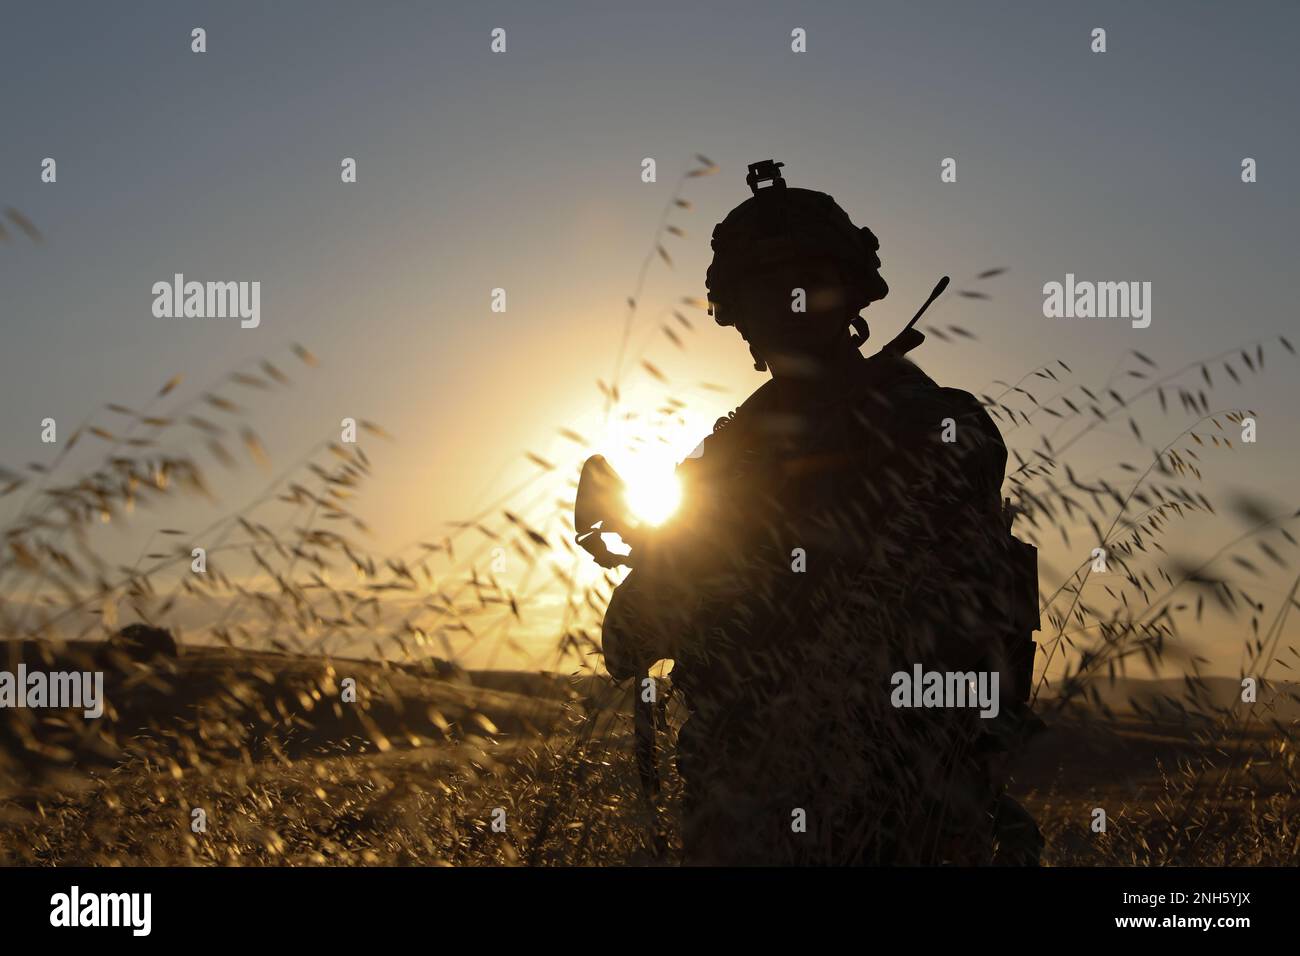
[760, 402]
[725, 434]
[897, 389]
[892, 383]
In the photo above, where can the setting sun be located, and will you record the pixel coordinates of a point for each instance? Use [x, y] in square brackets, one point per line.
[645, 453]
[652, 494]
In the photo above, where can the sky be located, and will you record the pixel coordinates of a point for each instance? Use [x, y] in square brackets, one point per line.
[522, 170]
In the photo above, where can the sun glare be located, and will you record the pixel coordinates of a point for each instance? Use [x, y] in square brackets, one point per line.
[646, 454]
[653, 494]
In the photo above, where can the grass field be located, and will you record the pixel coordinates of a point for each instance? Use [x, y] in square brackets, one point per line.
[414, 771]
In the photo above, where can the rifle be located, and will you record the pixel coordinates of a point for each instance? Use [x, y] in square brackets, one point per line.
[647, 762]
[599, 507]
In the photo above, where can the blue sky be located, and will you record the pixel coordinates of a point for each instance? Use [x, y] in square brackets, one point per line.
[522, 171]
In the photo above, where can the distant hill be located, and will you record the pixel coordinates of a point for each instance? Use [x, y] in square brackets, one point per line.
[1130, 695]
[253, 704]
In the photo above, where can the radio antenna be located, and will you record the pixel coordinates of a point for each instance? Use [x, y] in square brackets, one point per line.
[934, 294]
[909, 338]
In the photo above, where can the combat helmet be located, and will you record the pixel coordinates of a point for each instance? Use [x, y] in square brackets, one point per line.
[780, 223]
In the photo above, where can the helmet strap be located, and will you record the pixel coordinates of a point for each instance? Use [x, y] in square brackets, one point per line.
[860, 331]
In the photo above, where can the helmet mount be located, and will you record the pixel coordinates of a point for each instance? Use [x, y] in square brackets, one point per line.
[767, 171]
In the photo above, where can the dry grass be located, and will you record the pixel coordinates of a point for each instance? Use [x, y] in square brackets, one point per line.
[413, 773]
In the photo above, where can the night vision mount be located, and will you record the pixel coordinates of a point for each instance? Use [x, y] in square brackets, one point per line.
[767, 171]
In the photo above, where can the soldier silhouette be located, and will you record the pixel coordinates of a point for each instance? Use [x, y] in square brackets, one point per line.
[843, 525]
